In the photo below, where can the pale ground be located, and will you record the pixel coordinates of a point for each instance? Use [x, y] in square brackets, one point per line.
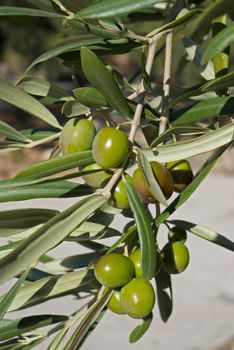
[203, 315]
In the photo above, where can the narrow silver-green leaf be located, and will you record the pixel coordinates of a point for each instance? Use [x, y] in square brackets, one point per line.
[56, 165]
[180, 130]
[16, 327]
[10, 132]
[106, 8]
[150, 179]
[205, 233]
[184, 195]
[51, 287]
[182, 17]
[210, 108]
[190, 148]
[9, 297]
[50, 189]
[19, 98]
[220, 41]
[140, 330]
[164, 294]
[102, 79]
[91, 316]
[89, 96]
[48, 236]
[145, 232]
[25, 11]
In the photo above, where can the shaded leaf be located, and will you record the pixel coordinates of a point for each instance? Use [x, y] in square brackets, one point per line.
[145, 232]
[164, 294]
[205, 233]
[16, 327]
[25, 11]
[10, 132]
[106, 8]
[21, 99]
[51, 287]
[102, 79]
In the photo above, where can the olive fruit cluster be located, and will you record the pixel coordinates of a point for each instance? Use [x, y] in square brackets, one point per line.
[133, 294]
[109, 148]
[175, 254]
[174, 176]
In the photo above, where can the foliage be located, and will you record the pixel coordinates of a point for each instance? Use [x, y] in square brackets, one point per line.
[176, 121]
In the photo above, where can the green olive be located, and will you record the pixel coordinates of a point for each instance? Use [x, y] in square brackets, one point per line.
[163, 177]
[119, 198]
[113, 270]
[110, 147]
[182, 174]
[115, 304]
[177, 234]
[135, 256]
[138, 298]
[77, 136]
[174, 257]
[95, 179]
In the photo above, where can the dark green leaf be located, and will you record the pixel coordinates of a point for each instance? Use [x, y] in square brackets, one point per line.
[205, 233]
[19, 98]
[25, 11]
[203, 110]
[164, 294]
[145, 232]
[106, 8]
[183, 196]
[7, 300]
[102, 79]
[140, 330]
[13, 328]
[89, 96]
[222, 40]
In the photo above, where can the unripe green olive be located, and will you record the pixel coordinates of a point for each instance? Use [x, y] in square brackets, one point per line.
[110, 147]
[77, 136]
[135, 256]
[96, 179]
[119, 198]
[182, 174]
[177, 234]
[163, 177]
[113, 270]
[115, 304]
[138, 297]
[174, 257]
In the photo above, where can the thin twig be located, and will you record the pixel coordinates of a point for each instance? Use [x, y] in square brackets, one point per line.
[166, 83]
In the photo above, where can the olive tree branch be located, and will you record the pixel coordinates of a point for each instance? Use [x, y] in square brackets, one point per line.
[166, 83]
